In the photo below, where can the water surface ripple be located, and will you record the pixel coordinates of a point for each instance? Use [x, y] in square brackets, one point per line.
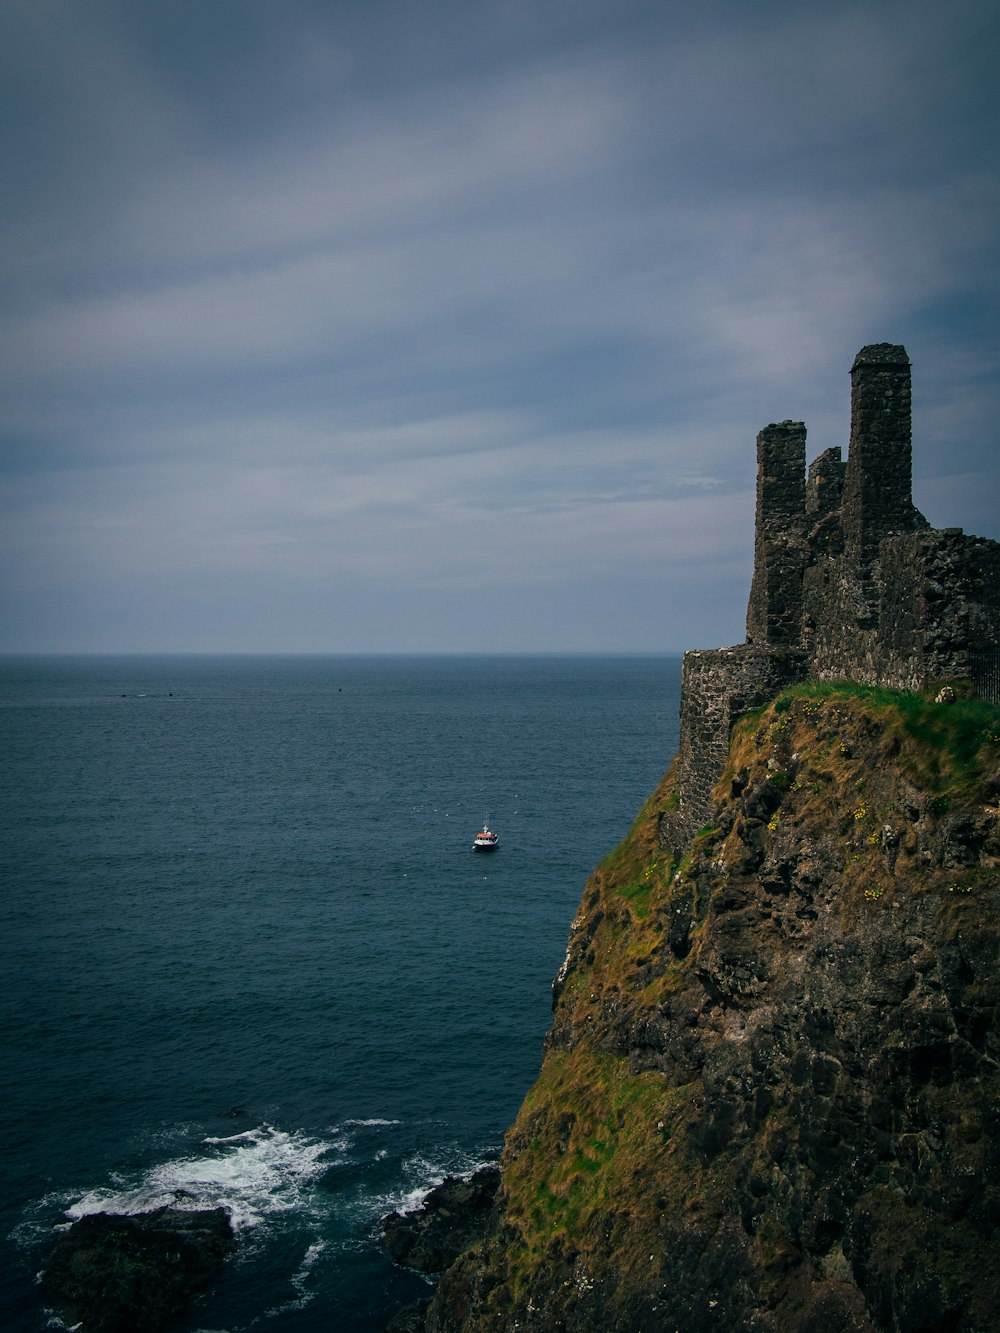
[250, 959]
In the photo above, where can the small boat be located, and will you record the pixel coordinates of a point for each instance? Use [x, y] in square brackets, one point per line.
[486, 840]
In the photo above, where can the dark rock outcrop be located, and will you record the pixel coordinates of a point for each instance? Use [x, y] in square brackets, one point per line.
[118, 1274]
[453, 1216]
[411, 1319]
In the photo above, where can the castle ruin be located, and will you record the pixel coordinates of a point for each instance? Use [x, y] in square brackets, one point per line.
[850, 582]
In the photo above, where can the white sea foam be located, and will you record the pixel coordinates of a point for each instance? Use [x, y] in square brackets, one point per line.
[269, 1181]
[299, 1281]
[421, 1175]
[252, 1175]
[247, 1134]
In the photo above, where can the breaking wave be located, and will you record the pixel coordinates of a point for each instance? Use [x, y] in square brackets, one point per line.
[252, 1175]
[420, 1174]
[347, 1176]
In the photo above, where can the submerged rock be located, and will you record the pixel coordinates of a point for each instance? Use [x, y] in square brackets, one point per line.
[121, 1273]
[411, 1319]
[453, 1216]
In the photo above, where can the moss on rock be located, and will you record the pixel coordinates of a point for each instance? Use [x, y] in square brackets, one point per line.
[768, 1098]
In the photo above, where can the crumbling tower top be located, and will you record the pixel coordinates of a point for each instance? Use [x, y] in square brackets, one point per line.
[879, 477]
[774, 614]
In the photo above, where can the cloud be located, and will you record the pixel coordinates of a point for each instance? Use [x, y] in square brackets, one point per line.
[500, 302]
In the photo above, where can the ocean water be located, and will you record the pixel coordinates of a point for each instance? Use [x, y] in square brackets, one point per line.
[249, 958]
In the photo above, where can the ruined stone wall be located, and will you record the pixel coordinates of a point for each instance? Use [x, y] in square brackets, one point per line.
[930, 611]
[849, 582]
[824, 493]
[946, 585]
[839, 626]
[717, 686]
[848, 570]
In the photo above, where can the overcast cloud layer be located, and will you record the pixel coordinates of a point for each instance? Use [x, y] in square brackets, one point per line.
[416, 326]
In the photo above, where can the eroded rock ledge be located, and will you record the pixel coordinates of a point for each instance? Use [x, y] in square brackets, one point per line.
[453, 1216]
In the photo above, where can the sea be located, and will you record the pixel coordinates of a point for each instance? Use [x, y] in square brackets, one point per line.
[249, 958]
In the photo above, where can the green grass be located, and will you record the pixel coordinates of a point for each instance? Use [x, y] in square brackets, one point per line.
[954, 734]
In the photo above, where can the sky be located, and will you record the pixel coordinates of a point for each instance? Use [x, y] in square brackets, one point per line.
[449, 325]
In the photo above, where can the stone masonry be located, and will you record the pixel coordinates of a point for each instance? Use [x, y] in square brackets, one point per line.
[849, 582]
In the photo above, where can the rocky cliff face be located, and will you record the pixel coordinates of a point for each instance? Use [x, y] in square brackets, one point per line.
[770, 1098]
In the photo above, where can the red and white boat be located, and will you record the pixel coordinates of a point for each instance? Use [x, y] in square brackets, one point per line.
[486, 840]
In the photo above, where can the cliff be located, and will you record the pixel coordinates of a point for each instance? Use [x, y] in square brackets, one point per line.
[769, 1098]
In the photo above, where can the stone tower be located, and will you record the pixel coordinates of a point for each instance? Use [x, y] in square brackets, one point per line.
[878, 482]
[774, 614]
